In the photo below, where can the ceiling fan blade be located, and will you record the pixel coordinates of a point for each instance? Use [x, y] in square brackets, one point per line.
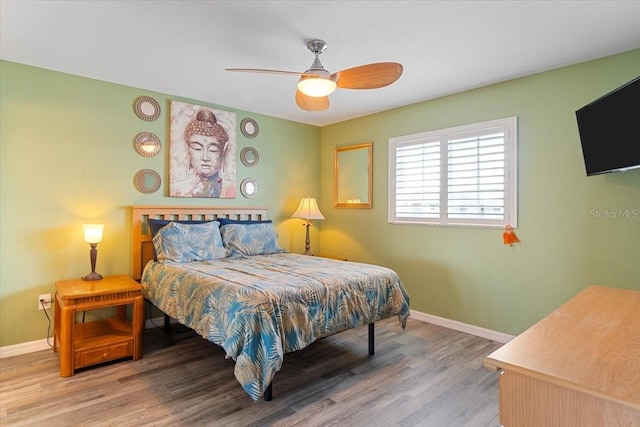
[260, 70]
[263, 71]
[312, 103]
[370, 76]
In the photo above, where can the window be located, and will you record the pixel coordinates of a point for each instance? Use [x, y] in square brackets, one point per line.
[465, 176]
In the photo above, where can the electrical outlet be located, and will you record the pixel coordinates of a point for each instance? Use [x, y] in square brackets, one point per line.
[46, 302]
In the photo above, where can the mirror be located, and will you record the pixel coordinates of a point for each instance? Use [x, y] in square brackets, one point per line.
[249, 188]
[249, 127]
[353, 176]
[146, 108]
[147, 181]
[147, 144]
[249, 156]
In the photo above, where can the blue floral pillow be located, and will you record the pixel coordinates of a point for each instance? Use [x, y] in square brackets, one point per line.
[189, 242]
[225, 221]
[250, 239]
[156, 224]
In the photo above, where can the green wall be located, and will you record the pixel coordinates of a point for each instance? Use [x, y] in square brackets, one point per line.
[67, 158]
[467, 274]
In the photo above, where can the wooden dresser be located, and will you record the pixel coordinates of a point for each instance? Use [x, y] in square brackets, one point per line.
[579, 366]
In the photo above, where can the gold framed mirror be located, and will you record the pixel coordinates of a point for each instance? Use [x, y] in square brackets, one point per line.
[249, 188]
[146, 108]
[249, 157]
[353, 176]
[147, 144]
[147, 181]
[249, 127]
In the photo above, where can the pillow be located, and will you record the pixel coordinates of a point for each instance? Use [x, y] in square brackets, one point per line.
[248, 239]
[224, 221]
[189, 242]
[157, 224]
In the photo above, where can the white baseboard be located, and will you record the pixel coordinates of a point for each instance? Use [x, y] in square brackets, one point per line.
[39, 345]
[32, 346]
[24, 348]
[462, 327]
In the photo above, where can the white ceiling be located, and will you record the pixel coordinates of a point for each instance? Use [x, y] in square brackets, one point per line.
[181, 48]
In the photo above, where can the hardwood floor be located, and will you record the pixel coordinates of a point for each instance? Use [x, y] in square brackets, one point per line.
[425, 375]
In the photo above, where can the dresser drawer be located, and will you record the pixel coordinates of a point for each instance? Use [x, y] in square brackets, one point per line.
[103, 354]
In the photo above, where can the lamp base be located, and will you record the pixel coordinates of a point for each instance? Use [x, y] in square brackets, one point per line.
[92, 276]
[307, 242]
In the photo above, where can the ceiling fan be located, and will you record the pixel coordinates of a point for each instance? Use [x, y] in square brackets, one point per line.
[316, 84]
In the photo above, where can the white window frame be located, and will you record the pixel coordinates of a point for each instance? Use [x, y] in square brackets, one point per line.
[507, 125]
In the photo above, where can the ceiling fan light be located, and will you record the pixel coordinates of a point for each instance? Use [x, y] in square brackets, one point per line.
[316, 86]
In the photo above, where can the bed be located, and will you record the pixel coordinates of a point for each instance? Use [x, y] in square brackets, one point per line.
[261, 304]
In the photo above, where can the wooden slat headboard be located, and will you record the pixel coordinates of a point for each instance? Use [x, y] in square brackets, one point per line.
[142, 246]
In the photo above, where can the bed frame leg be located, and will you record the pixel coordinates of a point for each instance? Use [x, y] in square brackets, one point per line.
[167, 323]
[268, 393]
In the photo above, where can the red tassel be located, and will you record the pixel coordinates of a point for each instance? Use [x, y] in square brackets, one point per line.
[509, 236]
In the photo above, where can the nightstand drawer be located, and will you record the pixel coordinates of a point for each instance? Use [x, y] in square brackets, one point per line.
[104, 354]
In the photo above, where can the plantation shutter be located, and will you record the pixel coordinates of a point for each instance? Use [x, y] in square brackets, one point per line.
[476, 177]
[465, 176]
[418, 180]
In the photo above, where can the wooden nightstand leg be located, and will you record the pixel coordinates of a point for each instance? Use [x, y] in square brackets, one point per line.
[137, 319]
[67, 322]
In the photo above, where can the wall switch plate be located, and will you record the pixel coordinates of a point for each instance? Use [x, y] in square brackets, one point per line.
[46, 301]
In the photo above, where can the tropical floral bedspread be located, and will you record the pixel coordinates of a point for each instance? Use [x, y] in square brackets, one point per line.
[260, 307]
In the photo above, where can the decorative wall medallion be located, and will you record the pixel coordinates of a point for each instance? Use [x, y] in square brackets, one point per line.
[146, 108]
[147, 181]
[249, 156]
[249, 187]
[147, 144]
[249, 127]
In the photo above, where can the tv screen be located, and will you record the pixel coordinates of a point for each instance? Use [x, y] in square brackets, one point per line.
[610, 130]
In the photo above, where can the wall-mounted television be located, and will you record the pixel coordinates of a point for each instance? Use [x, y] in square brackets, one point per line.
[610, 130]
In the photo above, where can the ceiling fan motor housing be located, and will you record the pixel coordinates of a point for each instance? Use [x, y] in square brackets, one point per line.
[317, 81]
[316, 46]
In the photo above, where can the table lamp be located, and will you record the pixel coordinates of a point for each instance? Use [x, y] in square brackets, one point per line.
[93, 236]
[308, 210]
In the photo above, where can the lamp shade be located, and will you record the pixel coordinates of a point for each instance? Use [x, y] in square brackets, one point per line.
[308, 209]
[316, 86]
[93, 233]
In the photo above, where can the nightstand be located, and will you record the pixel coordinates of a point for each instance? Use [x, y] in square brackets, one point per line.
[90, 343]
